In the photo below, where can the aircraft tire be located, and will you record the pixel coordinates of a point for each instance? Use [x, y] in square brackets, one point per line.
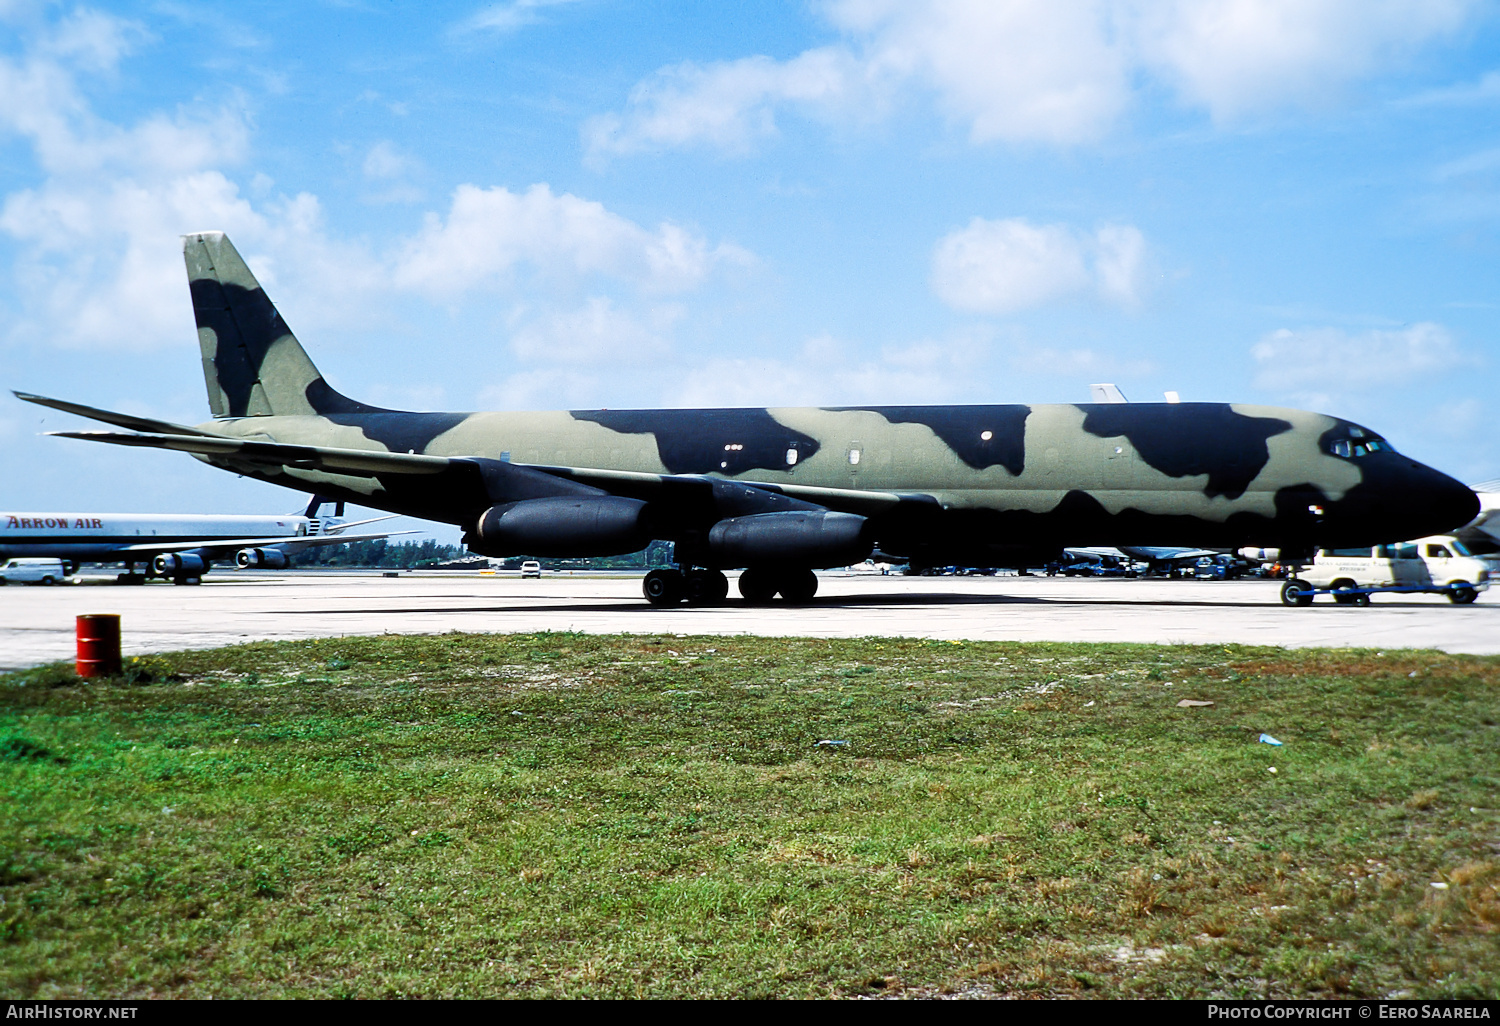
[758, 586]
[798, 586]
[706, 588]
[1460, 593]
[1296, 592]
[1342, 592]
[663, 587]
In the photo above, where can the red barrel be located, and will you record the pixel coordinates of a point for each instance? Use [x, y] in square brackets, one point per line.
[99, 645]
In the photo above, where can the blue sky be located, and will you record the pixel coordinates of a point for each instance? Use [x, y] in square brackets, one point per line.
[583, 203]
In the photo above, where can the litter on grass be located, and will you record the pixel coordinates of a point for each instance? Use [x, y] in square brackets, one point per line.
[1267, 739]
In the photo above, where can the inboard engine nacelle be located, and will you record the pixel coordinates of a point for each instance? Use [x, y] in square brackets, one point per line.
[180, 564]
[605, 525]
[819, 539]
[261, 559]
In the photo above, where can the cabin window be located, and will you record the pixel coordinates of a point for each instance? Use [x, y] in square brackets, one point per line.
[1438, 552]
[734, 446]
[853, 457]
[791, 456]
[985, 436]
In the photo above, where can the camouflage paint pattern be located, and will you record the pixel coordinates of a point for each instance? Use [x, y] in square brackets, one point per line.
[970, 483]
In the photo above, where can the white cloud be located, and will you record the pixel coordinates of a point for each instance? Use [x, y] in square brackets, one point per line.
[1331, 360]
[1059, 72]
[489, 233]
[1237, 57]
[390, 169]
[596, 333]
[506, 18]
[1000, 267]
[98, 262]
[731, 105]
[385, 161]
[827, 372]
[1045, 70]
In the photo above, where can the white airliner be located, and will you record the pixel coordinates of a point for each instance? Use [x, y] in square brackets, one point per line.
[179, 546]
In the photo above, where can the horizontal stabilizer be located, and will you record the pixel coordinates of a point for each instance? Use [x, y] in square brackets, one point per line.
[361, 462]
[123, 420]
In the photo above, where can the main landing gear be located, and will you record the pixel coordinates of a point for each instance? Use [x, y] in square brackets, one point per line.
[758, 585]
[696, 587]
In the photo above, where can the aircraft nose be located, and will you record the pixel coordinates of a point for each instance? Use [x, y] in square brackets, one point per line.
[1401, 498]
[1452, 502]
[1434, 502]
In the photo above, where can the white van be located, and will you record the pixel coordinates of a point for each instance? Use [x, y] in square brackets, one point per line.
[1440, 564]
[33, 571]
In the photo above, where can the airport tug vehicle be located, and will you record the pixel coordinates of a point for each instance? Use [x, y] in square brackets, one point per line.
[1441, 564]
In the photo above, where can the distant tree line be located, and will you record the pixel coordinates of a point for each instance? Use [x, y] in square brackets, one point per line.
[658, 553]
[402, 555]
[379, 552]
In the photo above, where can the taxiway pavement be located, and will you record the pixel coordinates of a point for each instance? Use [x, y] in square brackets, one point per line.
[37, 624]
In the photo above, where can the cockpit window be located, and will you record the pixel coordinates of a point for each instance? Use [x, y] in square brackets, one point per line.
[1354, 448]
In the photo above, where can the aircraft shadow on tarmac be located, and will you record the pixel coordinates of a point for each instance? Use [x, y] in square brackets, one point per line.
[628, 606]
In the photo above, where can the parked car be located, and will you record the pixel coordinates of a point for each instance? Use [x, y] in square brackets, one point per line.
[531, 568]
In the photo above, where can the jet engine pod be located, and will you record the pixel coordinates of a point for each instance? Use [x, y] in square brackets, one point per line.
[602, 525]
[262, 559]
[816, 539]
[180, 564]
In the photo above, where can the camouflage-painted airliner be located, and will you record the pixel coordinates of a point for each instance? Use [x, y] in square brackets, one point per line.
[780, 492]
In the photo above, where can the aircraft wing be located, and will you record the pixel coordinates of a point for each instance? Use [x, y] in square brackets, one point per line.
[283, 541]
[1164, 554]
[504, 481]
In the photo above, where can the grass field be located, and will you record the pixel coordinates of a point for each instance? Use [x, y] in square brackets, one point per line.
[566, 815]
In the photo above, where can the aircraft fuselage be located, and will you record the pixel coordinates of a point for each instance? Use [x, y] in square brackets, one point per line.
[999, 477]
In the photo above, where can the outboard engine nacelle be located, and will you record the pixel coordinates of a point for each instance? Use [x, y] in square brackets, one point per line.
[806, 539]
[180, 564]
[567, 525]
[262, 559]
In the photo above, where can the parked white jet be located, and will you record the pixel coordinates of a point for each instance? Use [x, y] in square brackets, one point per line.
[180, 546]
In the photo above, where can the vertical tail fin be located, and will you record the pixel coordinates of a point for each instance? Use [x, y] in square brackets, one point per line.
[252, 363]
